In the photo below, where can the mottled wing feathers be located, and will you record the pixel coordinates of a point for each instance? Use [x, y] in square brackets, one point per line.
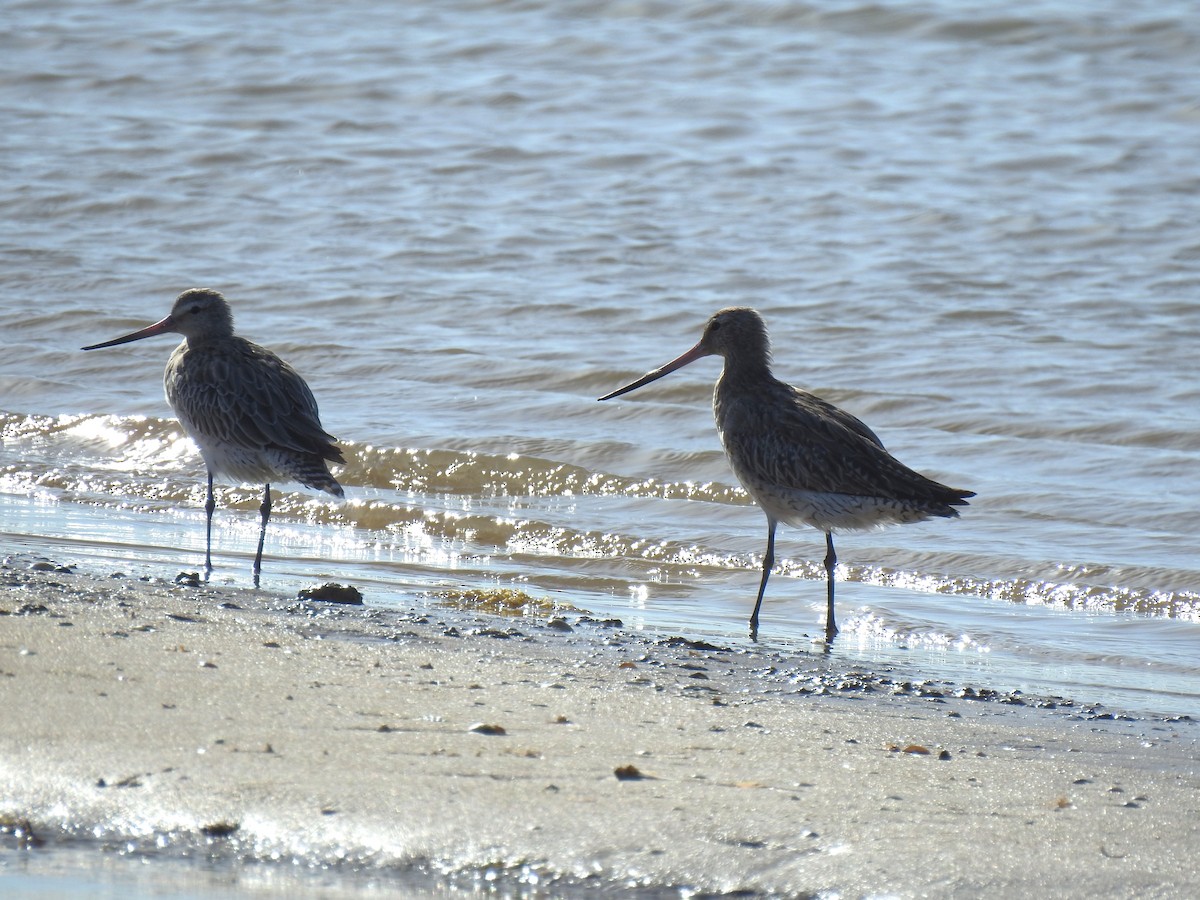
[244, 395]
[785, 439]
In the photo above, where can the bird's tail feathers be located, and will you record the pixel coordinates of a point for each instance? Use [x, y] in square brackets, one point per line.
[315, 474]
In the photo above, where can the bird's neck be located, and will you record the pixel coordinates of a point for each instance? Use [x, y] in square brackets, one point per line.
[208, 338]
[745, 374]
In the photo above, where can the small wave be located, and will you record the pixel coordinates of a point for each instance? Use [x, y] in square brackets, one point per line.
[538, 512]
[472, 474]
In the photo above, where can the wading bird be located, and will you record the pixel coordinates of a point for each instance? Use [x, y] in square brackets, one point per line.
[250, 413]
[803, 460]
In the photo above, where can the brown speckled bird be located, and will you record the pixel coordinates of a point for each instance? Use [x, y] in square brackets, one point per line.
[803, 460]
[250, 413]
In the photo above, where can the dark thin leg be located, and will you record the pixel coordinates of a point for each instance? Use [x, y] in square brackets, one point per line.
[768, 562]
[831, 628]
[265, 510]
[209, 505]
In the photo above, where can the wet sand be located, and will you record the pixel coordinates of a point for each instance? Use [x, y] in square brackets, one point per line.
[539, 756]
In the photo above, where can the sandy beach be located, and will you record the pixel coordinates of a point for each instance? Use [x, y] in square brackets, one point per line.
[542, 756]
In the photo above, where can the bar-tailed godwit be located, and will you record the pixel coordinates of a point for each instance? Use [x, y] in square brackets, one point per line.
[803, 460]
[250, 413]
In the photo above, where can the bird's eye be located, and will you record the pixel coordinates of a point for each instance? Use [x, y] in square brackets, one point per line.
[715, 325]
[194, 310]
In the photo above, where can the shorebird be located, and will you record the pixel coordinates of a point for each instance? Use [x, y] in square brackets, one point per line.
[802, 459]
[250, 413]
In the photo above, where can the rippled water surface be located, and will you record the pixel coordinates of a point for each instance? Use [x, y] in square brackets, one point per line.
[972, 226]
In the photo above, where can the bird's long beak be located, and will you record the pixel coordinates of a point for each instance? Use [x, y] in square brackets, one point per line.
[677, 363]
[167, 324]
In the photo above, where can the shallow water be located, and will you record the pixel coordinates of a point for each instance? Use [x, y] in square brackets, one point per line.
[463, 222]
